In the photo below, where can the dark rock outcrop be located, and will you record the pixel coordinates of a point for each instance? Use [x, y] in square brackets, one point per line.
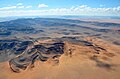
[41, 52]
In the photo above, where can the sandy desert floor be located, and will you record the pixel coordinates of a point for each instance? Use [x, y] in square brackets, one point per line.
[82, 63]
[99, 59]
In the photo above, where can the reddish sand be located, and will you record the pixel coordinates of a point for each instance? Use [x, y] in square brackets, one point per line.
[77, 65]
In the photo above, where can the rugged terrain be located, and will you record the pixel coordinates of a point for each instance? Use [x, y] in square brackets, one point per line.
[52, 48]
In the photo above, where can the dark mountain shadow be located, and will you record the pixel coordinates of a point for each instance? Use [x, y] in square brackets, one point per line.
[102, 64]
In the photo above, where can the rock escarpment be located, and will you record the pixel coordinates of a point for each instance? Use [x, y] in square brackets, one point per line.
[41, 51]
[51, 50]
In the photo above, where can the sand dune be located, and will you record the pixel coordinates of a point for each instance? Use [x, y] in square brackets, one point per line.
[98, 61]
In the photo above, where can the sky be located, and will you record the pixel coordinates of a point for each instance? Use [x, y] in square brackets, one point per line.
[59, 7]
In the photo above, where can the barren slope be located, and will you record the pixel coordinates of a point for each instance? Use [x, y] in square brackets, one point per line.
[96, 60]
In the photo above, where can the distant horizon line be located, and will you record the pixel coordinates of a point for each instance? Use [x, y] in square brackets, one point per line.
[60, 16]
